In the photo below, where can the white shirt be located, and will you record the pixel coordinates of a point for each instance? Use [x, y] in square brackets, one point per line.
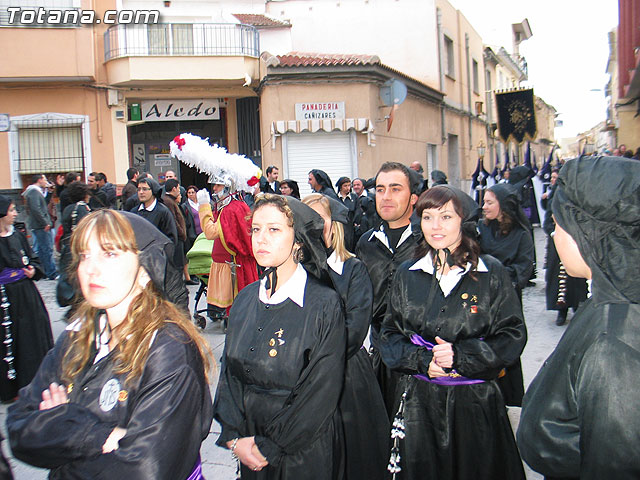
[292, 288]
[380, 235]
[449, 280]
[335, 263]
[149, 208]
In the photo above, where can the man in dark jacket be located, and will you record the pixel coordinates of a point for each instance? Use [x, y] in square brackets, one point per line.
[153, 210]
[269, 182]
[321, 183]
[131, 188]
[109, 189]
[39, 222]
[580, 414]
[98, 197]
[384, 248]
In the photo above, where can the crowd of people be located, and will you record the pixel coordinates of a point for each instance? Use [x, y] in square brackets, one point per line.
[428, 279]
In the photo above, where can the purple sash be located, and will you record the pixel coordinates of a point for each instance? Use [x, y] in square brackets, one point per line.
[10, 275]
[196, 474]
[453, 378]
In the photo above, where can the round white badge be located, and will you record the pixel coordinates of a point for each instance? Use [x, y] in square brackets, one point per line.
[109, 395]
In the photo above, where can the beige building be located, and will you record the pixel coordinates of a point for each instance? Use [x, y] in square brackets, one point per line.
[326, 112]
[104, 97]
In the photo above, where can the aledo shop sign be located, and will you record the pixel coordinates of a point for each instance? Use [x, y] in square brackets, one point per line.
[172, 110]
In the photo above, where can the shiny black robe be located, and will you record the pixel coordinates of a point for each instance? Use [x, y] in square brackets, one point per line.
[30, 329]
[381, 263]
[516, 252]
[580, 414]
[281, 379]
[455, 432]
[167, 413]
[364, 418]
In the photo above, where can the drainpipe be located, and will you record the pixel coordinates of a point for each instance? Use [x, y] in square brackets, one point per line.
[466, 49]
[443, 134]
[96, 66]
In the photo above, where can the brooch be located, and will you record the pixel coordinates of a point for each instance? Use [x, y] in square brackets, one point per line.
[272, 342]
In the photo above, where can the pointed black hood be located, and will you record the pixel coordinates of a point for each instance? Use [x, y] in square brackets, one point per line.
[597, 201]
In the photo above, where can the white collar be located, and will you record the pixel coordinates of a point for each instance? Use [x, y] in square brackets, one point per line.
[382, 236]
[292, 288]
[335, 263]
[449, 280]
[150, 208]
[193, 204]
[10, 231]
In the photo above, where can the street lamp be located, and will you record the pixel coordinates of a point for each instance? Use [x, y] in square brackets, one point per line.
[481, 149]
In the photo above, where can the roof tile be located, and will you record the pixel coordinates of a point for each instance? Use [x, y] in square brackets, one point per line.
[259, 20]
[300, 59]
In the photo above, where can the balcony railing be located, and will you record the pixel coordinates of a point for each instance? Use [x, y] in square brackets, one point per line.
[181, 39]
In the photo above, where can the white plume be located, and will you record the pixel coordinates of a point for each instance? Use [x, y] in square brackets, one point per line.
[215, 160]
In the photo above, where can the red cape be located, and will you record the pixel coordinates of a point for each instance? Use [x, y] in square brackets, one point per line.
[235, 224]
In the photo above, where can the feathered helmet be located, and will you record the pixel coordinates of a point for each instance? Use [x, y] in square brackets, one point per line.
[236, 172]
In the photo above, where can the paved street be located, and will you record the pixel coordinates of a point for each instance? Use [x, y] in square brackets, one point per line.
[217, 464]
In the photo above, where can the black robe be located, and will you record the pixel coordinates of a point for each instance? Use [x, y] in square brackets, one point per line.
[462, 431]
[162, 218]
[381, 263]
[364, 418]
[30, 326]
[281, 377]
[167, 412]
[575, 290]
[516, 252]
[580, 414]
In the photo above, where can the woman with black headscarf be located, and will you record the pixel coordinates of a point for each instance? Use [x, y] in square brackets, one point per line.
[321, 183]
[26, 331]
[505, 233]
[580, 414]
[283, 361]
[362, 409]
[453, 323]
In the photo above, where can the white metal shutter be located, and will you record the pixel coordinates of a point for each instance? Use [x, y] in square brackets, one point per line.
[331, 152]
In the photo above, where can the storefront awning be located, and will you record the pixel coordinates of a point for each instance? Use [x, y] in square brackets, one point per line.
[363, 125]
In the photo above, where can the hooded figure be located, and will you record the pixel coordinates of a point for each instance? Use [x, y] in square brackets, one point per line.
[283, 363]
[580, 415]
[509, 239]
[325, 182]
[520, 178]
[438, 177]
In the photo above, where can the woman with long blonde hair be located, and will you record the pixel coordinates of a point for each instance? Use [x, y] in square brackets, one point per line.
[363, 413]
[124, 392]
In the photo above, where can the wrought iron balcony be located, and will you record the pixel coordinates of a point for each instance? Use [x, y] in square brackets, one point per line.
[181, 39]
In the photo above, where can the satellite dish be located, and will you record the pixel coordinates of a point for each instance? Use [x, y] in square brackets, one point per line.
[393, 92]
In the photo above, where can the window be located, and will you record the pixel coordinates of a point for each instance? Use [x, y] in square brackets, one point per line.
[48, 150]
[476, 86]
[170, 39]
[450, 62]
[488, 96]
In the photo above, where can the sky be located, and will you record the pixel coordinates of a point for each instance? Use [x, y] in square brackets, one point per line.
[567, 54]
